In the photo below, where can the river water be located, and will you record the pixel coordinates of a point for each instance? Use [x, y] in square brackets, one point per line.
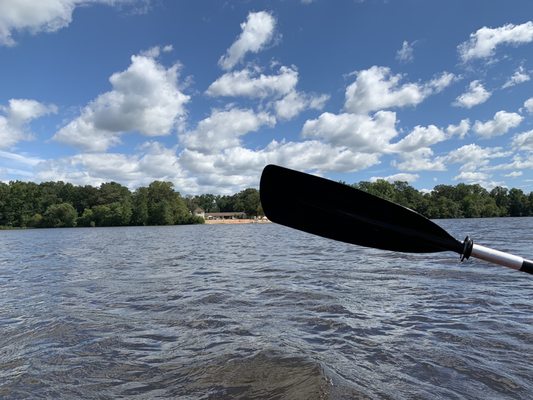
[260, 311]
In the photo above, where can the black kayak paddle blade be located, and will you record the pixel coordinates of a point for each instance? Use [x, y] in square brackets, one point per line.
[340, 212]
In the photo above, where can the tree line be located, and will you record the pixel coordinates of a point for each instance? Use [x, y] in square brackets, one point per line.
[247, 201]
[459, 201]
[60, 204]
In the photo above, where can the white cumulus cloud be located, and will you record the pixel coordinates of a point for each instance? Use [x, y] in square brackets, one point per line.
[145, 99]
[156, 51]
[419, 160]
[360, 133]
[237, 166]
[475, 95]
[405, 54]
[320, 157]
[280, 89]
[15, 119]
[401, 177]
[523, 141]
[472, 157]
[223, 129]
[519, 76]
[257, 32]
[472, 177]
[35, 16]
[483, 42]
[20, 158]
[151, 162]
[528, 105]
[377, 88]
[420, 137]
[459, 130]
[195, 172]
[295, 102]
[518, 162]
[250, 83]
[502, 122]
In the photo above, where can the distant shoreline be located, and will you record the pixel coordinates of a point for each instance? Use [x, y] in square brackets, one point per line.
[236, 221]
[207, 222]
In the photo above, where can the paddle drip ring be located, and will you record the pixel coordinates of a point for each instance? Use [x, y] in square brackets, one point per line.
[468, 244]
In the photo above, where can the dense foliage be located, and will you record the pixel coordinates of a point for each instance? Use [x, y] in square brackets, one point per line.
[246, 201]
[459, 201]
[59, 204]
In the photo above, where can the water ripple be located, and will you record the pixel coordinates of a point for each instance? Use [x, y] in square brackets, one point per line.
[259, 311]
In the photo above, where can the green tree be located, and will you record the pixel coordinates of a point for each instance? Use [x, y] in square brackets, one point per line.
[165, 206]
[86, 218]
[501, 198]
[409, 197]
[84, 197]
[49, 193]
[160, 199]
[59, 215]
[36, 221]
[248, 201]
[226, 204]
[101, 215]
[518, 203]
[22, 204]
[4, 201]
[118, 200]
[380, 188]
[443, 207]
[140, 206]
[112, 192]
[208, 202]
[398, 192]
[477, 207]
[475, 201]
[114, 214]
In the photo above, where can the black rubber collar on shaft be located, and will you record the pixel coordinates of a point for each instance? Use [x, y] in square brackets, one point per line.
[468, 245]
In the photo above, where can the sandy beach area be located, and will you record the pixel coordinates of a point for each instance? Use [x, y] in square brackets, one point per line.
[236, 221]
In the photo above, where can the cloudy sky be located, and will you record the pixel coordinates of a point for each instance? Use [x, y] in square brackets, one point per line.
[206, 93]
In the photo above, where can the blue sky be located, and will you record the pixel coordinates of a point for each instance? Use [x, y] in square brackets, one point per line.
[206, 93]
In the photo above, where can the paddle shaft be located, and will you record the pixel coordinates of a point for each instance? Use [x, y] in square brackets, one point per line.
[501, 258]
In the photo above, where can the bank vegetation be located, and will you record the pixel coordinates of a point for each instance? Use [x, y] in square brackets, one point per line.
[60, 204]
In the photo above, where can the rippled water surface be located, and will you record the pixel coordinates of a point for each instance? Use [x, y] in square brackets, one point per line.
[260, 311]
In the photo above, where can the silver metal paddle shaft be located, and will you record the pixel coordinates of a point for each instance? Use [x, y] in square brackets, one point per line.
[501, 258]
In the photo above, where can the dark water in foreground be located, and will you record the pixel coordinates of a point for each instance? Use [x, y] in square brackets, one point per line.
[260, 311]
